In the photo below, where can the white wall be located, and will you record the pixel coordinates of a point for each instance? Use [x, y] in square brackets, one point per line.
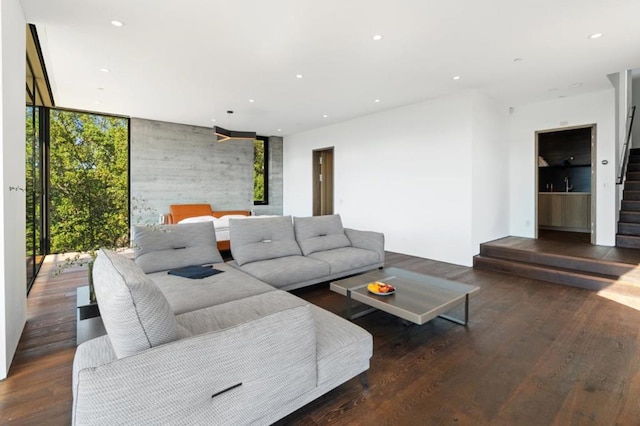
[406, 172]
[490, 172]
[598, 108]
[13, 300]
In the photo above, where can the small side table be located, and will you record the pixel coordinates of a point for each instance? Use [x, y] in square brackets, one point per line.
[88, 322]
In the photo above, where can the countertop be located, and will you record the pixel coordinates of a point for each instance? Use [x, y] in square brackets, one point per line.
[564, 193]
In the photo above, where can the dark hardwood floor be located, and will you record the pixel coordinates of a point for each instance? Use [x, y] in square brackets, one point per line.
[534, 353]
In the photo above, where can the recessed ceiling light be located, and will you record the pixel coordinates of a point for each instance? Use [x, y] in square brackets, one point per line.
[517, 60]
[376, 101]
[574, 85]
[298, 75]
[325, 116]
[377, 37]
[100, 88]
[213, 119]
[279, 130]
[97, 102]
[117, 23]
[251, 100]
[456, 77]
[105, 70]
[596, 35]
[562, 96]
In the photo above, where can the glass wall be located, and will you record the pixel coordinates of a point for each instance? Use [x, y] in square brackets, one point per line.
[88, 181]
[33, 193]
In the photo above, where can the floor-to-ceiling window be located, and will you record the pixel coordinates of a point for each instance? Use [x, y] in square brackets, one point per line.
[38, 97]
[88, 181]
[77, 173]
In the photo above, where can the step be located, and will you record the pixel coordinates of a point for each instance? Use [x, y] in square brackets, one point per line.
[632, 185]
[553, 260]
[630, 205]
[634, 159]
[633, 175]
[633, 167]
[631, 195]
[629, 216]
[626, 228]
[628, 241]
[553, 275]
[634, 151]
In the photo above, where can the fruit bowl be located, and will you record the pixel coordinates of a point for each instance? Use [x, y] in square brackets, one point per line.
[380, 288]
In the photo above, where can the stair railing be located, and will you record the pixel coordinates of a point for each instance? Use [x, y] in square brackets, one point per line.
[624, 160]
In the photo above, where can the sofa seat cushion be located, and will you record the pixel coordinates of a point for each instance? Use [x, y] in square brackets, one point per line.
[134, 311]
[346, 258]
[186, 295]
[238, 312]
[343, 348]
[267, 238]
[287, 270]
[319, 233]
[165, 247]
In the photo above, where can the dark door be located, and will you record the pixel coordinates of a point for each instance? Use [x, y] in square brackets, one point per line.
[323, 182]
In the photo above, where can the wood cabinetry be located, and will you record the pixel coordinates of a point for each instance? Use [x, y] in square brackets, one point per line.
[568, 211]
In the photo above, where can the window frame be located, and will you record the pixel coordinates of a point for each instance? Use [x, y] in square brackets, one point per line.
[265, 167]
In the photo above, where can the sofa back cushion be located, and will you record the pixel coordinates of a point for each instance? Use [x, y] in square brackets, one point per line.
[320, 233]
[164, 247]
[261, 239]
[134, 311]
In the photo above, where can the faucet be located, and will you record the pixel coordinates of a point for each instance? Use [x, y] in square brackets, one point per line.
[567, 187]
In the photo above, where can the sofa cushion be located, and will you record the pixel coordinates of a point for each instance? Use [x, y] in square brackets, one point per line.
[287, 270]
[320, 233]
[346, 258]
[134, 311]
[238, 312]
[164, 247]
[267, 238]
[185, 295]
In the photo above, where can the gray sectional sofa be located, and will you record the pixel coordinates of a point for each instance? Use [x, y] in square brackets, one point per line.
[227, 349]
[308, 250]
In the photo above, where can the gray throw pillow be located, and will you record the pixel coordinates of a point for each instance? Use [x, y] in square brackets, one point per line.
[134, 311]
[261, 239]
[160, 248]
[320, 233]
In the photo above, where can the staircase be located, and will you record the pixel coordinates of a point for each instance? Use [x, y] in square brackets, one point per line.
[563, 264]
[629, 223]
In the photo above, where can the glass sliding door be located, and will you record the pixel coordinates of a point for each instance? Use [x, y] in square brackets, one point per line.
[33, 193]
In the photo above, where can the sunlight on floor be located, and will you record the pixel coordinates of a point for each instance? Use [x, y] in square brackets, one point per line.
[626, 290]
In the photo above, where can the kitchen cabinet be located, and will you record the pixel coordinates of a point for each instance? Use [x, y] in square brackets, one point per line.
[569, 211]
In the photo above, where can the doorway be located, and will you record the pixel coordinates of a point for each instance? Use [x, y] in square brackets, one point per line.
[322, 181]
[565, 182]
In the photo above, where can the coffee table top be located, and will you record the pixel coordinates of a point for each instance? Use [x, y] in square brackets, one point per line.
[418, 297]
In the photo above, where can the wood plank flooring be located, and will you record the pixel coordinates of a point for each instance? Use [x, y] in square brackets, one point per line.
[534, 353]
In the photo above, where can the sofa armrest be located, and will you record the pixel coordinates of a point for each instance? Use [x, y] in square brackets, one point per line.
[232, 376]
[368, 240]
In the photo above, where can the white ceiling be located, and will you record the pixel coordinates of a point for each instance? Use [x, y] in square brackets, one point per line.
[188, 61]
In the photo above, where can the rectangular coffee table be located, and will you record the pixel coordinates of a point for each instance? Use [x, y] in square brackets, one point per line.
[418, 298]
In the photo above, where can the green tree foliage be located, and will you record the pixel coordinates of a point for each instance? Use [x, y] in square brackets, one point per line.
[258, 170]
[88, 181]
[29, 169]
